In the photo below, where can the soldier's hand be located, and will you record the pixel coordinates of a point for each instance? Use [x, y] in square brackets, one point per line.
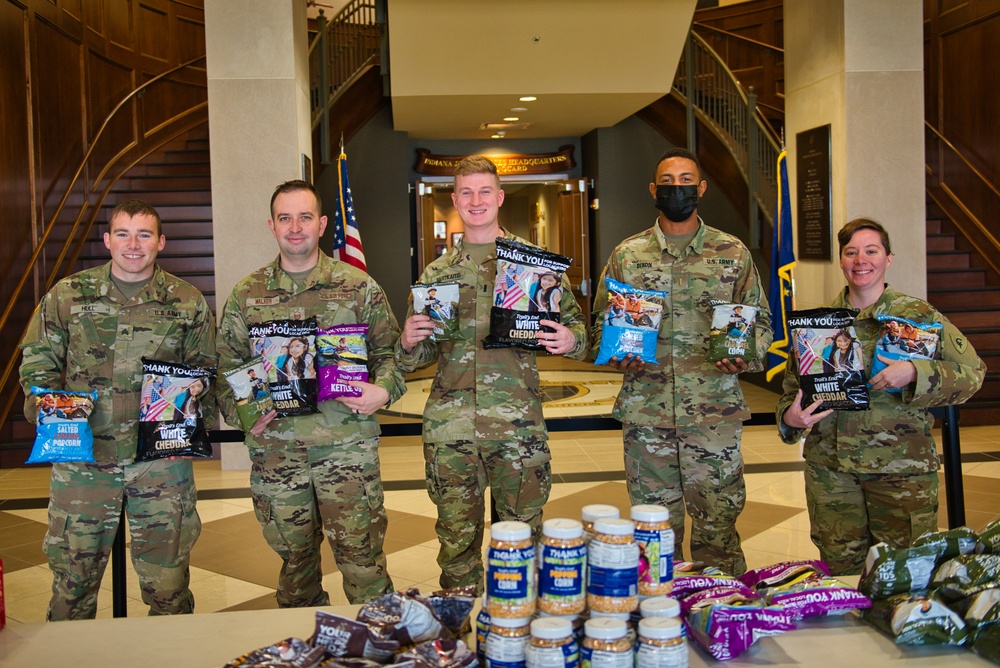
[629, 363]
[897, 373]
[261, 424]
[731, 366]
[416, 328]
[372, 398]
[558, 342]
[797, 417]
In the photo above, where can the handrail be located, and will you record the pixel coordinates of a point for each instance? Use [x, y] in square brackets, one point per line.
[962, 157]
[40, 243]
[713, 93]
[958, 197]
[742, 38]
[342, 49]
[71, 239]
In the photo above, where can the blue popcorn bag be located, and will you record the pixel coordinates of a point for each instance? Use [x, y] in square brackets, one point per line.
[903, 339]
[63, 431]
[631, 322]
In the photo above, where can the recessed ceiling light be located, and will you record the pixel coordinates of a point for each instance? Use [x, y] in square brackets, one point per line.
[518, 109]
[527, 98]
[511, 119]
[494, 136]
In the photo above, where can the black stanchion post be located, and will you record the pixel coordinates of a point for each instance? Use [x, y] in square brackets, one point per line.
[119, 596]
[951, 447]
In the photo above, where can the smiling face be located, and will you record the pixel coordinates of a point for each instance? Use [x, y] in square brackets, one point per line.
[196, 387]
[296, 348]
[297, 227]
[478, 198]
[547, 281]
[864, 261]
[843, 341]
[134, 242]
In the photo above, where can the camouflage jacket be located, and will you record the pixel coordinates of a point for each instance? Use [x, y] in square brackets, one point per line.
[683, 389]
[337, 294]
[483, 394]
[85, 327]
[895, 435]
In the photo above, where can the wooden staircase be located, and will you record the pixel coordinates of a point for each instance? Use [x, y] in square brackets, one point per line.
[178, 183]
[967, 292]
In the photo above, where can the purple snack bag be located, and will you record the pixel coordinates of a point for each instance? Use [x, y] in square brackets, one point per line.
[342, 357]
[725, 621]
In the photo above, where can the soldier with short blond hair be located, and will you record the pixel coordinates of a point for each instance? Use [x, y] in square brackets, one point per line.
[483, 424]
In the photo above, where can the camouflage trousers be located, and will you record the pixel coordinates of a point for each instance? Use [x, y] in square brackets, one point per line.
[85, 506]
[850, 512]
[700, 468]
[300, 494]
[519, 476]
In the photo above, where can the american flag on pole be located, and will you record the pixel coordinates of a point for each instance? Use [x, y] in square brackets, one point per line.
[807, 353]
[346, 237]
[513, 291]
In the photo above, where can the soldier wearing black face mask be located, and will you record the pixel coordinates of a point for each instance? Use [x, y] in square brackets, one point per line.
[682, 418]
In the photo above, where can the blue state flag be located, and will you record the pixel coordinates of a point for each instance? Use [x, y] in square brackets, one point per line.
[782, 263]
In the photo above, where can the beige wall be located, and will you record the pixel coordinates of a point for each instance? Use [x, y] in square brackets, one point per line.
[858, 66]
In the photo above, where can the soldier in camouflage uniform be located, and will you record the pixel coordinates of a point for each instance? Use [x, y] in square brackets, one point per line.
[483, 421]
[871, 476]
[316, 473]
[95, 327]
[683, 418]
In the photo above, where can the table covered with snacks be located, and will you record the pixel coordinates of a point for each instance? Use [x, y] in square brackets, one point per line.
[213, 639]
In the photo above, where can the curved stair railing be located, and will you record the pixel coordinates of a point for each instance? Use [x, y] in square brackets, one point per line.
[142, 143]
[963, 193]
[713, 94]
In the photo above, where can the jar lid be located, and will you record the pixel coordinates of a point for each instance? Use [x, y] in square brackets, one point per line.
[551, 628]
[650, 513]
[510, 623]
[510, 530]
[595, 511]
[562, 528]
[605, 628]
[660, 628]
[659, 606]
[614, 526]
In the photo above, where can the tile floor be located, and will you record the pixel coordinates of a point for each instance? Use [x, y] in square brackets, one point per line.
[233, 569]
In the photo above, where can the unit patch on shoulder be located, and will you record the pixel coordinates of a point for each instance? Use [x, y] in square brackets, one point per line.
[960, 342]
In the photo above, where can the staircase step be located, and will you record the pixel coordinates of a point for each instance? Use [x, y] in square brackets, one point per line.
[164, 197]
[946, 260]
[984, 338]
[966, 319]
[940, 242]
[168, 182]
[186, 156]
[944, 297]
[934, 226]
[171, 169]
[957, 278]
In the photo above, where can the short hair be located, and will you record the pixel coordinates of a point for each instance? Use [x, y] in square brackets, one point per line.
[847, 231]
[476, 164]
[135, 207]
[678, 152]
[294, 185]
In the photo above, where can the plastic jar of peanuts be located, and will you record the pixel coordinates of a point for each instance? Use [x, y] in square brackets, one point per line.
[562, 561]
[661, 644]
[593, 512]
[656, 549]
[606, 644]
[510, 571]
[612, 567]
[507, 641]
[552, 644]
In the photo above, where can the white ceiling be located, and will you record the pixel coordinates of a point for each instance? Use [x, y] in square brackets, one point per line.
[458, 64]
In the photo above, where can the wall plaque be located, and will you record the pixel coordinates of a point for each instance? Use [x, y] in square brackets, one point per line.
[814, 190]
[507, 164]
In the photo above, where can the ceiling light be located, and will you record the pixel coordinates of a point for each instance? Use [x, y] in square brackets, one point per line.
[527, 98]
[518, 109]
[494, 136]
[511, 119]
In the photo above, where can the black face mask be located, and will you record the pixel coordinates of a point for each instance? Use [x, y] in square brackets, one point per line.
[677, 202]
